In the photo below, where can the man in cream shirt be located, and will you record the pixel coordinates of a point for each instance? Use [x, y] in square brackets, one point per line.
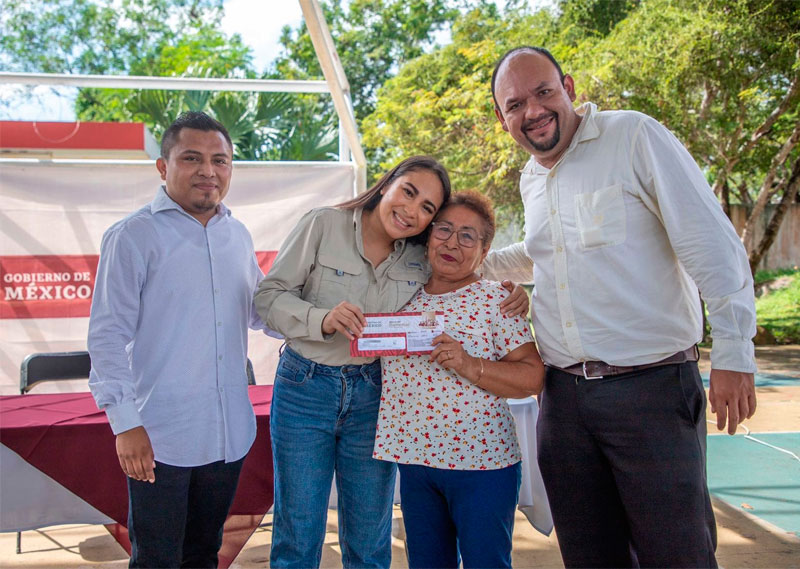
[623, 230]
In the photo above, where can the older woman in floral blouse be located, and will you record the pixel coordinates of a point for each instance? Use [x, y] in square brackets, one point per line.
[444, 418]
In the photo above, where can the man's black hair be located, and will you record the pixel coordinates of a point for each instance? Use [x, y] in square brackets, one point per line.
[191, 119]
[512, 52]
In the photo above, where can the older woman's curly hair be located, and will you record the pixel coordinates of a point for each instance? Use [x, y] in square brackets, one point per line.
[478, 203]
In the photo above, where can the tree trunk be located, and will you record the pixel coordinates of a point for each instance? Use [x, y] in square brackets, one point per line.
[766, 126]
[771, 231]
[766, 191]
[744, 195]
[726, 198]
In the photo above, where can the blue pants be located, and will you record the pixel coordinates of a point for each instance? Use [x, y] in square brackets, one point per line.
[177, 521]
[323, 422]
[624, 463]
[452, 512]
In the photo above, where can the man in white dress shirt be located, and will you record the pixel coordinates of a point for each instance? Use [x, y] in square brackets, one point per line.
[168, 342]
[623, 230]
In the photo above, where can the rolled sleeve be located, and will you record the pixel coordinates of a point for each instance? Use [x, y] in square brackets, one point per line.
[315, 318]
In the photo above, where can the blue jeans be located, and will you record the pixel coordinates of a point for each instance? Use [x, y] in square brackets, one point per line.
[459, 513]
[177, 521]
[322, 422]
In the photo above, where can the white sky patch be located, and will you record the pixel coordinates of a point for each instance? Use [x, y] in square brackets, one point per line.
[41, 103]
[260, 25]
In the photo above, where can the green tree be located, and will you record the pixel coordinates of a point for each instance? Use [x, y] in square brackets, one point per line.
[593, 17]
[179, 38]
[86, 36]
[373, 39]
[201, 51]
[440, 103]
[723, 75]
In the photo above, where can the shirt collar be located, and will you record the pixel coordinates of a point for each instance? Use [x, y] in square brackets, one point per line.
[162, 202]
[588, 128]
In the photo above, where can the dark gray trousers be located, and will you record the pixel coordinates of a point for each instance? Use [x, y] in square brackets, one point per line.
[178, 520]
[624, 463]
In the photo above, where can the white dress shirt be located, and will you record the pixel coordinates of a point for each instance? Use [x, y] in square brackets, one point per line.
[168, 332]
[623, 230]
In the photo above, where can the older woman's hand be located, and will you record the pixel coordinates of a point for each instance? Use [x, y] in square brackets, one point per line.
[517, 302]
[449, 354]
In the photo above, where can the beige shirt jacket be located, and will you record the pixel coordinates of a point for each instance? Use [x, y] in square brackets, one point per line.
[321, 264]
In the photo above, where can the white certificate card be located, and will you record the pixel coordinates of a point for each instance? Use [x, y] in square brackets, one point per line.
[398, 333]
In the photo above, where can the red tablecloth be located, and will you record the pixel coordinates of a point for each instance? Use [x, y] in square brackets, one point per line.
[68, 439]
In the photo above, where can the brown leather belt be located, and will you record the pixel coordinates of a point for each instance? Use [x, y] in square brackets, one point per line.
[598, 370]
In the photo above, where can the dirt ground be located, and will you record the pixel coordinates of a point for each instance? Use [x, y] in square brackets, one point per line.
[780, 360]
[744, 540]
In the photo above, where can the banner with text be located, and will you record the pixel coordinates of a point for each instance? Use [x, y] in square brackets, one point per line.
[52, 218]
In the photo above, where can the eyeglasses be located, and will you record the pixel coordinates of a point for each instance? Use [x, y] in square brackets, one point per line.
[466, 236]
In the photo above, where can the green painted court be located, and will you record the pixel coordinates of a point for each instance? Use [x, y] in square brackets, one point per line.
[746, 473]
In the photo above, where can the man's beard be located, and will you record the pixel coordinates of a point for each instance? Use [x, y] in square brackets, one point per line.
[205, 202]
[203, 206]
[547, 144]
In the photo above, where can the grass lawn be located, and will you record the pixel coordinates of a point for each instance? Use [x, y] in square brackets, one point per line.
[779, 310]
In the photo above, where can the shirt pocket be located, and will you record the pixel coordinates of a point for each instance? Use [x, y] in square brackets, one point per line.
[337, 280]
[600, 217]
[407, 283]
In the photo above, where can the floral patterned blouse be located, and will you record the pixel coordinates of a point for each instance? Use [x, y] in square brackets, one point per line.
[432, 417]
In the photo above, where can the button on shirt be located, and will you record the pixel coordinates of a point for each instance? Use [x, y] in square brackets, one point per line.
[321, 264]
[168, 332]
[623, 230]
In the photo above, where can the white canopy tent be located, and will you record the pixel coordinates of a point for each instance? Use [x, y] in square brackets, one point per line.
[53, 212]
